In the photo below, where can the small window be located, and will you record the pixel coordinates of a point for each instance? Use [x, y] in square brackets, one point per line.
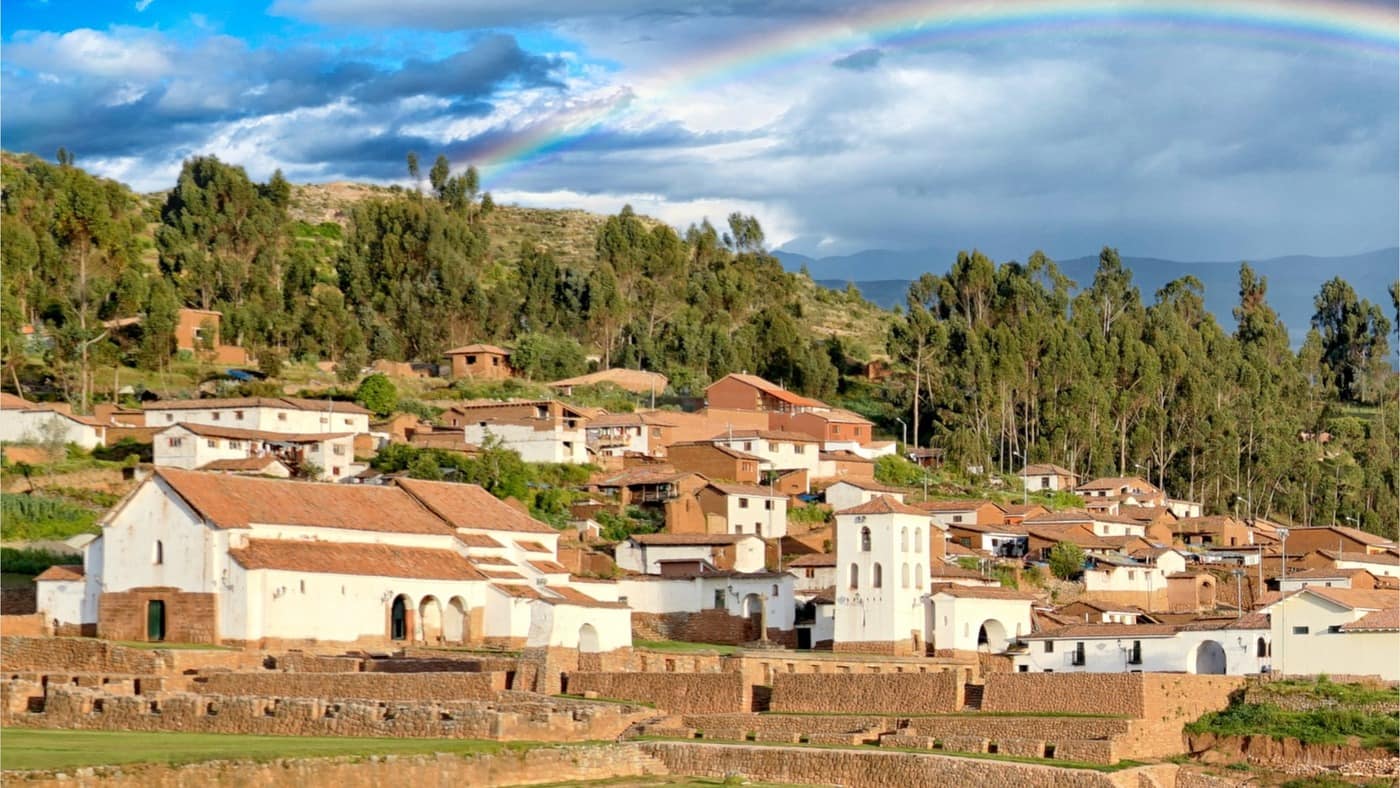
[719, 599]
[738, 528]
[213, 444]
[325, 420]
[214, 416]
[238, 415]
[158, 554]
[775, 591]
[1044, 482]
[338, 450]
[1335, 629]
[1262, 648]
[1300, 630]
[904, 576]
[877, 578]
[170, 417]
[174, 443]
[903, 540]
[865, 539]
[1049, 647]
[235, 444]
[957, 518]
[855, 576]
[1023, 668]
[471, 359]
[918, 540]
[743, 503]
[768, 505]
[281, 417]
[1132, 575]
[347, 421]
[748, 445]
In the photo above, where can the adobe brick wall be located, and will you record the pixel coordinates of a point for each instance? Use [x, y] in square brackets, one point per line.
[795, 724]
[585, 763]
[189, 617]
[355, 686]
[1050, 729]
[18, 601]
[874, 768]
[1171, 700]
[31, 624]
[885, 693]
[514, 718]
[681, 693]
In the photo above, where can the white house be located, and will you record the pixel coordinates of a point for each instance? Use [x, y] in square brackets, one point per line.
[881, 583]
[1338, 631]
[1231, 646]
[204, 557]
[22, 421]
[196, 446]
[617, 434]
[1118, 578]
[536, 441]
[814, 572]
[767, 596]
[977, 618]
[66, 600]
[1327, 578]
[746, 508]
[849, 493]
[778, 451]
[646, 553]
[1048, 477]
[270, 414]
[1379, 564]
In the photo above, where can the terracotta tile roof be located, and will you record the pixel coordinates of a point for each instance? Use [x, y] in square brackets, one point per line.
[883, 504]
[644, 475]
[843, 455]
[284, 403]
[1388, 559]
[953, 548]
[637, 419]
[634, 380]
[688, 539]
[814, 560]
[518, 591]
[937, 570]
[1069, 533]
[719, 447]
[476, 348]
[573, 596]
[1214, 523]
[1387, 620]
[966, 505]
[1327, 574]
[1021, 509]
[501, 574]
[732, 488]
[532, 547]
[350, 558]
[1062, 517]
[1355, 598]
[471, 506]
[10, 401]
[1205, 624]
[979, 592]
[842, 416]
[1118, 482]
[1145, 514]
[869, 485]
[1099, 631]
[983, 528]
[61, 572]
[1047, 470]
[490, 560]
[237, 433]
[773, 390]
[478, 540]
[549, 567]
[231, 501]
[244, 464]
[768, 435]
[1351, 533]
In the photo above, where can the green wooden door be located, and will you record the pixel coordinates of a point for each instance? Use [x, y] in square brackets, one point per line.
[155, 620]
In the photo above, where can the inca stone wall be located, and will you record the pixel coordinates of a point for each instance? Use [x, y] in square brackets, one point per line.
[682, 693]
[189, 617]
[884, 693]
[75, 655]
[355, 686]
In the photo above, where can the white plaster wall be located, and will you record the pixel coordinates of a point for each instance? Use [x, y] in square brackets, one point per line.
[289, 420]
[957, 621]
[679, 595]
[824, 625]
[154, 513]
[556, 445]
[507, 616]
[61, 601]
[844, 495]
[749, 555]
[558, 625]
[822, 577]
[1172, 654]
[770, 523]
[336, 458]
[1141, 579]
[92, 577]
[1387, 570]
[1320, 651]
[891, 612]
[1052, 482]
[30, 426]
[781, 607]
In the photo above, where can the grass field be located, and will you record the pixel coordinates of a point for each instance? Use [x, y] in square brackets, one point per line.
[682, 647]
[25, 749]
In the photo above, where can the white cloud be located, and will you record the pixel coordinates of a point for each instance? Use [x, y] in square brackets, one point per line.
[142, 5]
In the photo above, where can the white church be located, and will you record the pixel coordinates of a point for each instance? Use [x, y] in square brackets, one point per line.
[202, 557]
[886, 601]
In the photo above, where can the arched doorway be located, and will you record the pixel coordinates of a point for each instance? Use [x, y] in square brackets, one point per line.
[1210, 658]
[398, 618]
[753, 617]
[429, 620]
[454, 622]
[991, 636]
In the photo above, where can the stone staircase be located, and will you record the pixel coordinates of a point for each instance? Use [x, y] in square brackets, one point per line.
[972, 697]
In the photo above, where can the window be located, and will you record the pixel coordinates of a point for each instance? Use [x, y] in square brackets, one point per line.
[174, 443]
[1335, 629]
[918, 540]
[471, 359]
[1077, 658]
[213, 444]
[1300, 630]
[281, 417]
[918, 575]
[855, 576]
[1045, 482]
[904, 576]
[338, 450]
[325, 420]
[719, 599]
[748, 445]
[158, 554]
[810, 573]
[1023, 668]
[235, 444]
[877, 579]
[865, 539]
[768, 505]
[238, 415]
[800, 448]
[738, 528]
[1049, 647]
[1132, 575]
[1261, 648]
[957, 518]
[1135, 653]
[903, 540]
[743, 503]
[775, 591]
[214, 416]
[170, 417]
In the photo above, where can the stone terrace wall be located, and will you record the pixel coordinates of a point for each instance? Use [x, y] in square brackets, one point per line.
[352, 686]
[787, 724]
[867, 768]
[682, 693]
[76, 655]
[1170, 700]
[1050, 729]
[885, 693]
[25, 704]
[1074, 693]
[527, 767]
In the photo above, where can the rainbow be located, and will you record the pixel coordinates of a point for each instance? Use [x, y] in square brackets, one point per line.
[1369, 28]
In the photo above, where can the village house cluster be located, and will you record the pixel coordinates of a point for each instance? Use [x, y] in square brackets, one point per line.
[774, 533]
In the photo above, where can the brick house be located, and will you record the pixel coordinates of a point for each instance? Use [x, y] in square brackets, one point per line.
[1213, 531]
[1334, 537]
[834, 427]
[715, 461]
[737, 391]
[1132, 489]
[487, 362]
[970, 512]
[843, 464]
[642, 553]
[619, 434]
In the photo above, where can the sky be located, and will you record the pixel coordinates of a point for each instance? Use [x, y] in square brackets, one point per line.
[1252, 130]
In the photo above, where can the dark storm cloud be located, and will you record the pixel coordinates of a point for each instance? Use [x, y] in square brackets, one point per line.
[863, 60]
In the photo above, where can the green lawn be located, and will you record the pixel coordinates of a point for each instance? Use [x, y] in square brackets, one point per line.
[26, 749]
[682, 647]
[152, 645]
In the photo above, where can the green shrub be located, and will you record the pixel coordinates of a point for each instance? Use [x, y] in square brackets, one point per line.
[31, 562]
[897, 471]
[809, 514]
[30, 517]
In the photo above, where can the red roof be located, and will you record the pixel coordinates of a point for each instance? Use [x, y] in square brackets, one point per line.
[477, 348]
[883, 504]
[814, 559]
[227, 501]
[267, 436]
[471, 506]
[284, 403]
[354, 558]
[1387, 620]
[979, 592]
[61, 572]
[773, 390]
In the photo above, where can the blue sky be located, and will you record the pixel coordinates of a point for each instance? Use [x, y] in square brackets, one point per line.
[1178, 142]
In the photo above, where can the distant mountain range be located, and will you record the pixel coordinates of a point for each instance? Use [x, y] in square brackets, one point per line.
[883, 276]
